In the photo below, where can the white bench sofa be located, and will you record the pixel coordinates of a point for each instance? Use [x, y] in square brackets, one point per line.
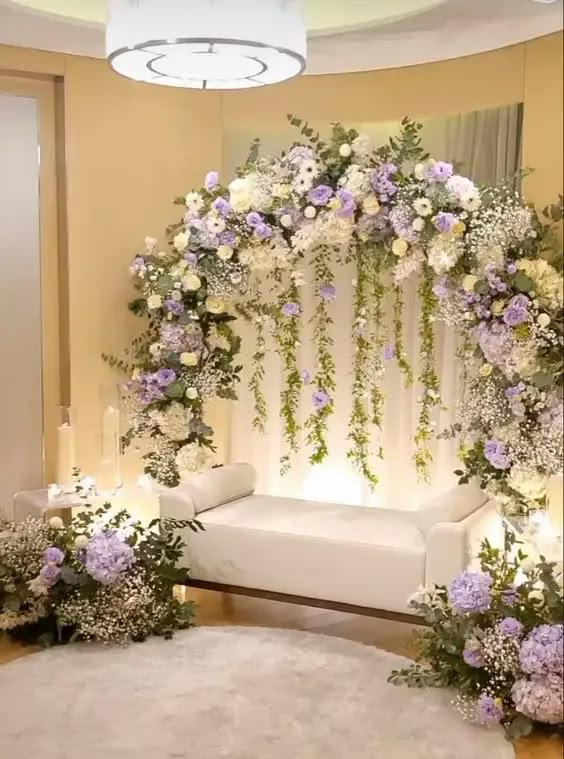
[367, 560]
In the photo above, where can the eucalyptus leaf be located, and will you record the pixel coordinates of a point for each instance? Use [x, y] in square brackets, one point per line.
[175, 390]
[523, 283]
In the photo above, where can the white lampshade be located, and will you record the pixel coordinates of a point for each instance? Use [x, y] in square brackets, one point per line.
[207, 44]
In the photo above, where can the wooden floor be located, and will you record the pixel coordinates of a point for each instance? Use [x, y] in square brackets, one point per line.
[220, 609]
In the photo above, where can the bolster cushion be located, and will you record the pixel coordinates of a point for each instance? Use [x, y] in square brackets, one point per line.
[453, 506]
[216, 486]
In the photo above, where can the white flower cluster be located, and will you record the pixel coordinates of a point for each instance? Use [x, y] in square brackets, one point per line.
[548, 282]
[174, 421]
[193, 458]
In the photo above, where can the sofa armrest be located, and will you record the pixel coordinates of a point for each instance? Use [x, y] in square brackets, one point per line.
[174, 504]
[452, 546]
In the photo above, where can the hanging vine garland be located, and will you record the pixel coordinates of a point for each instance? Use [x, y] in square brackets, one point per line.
[486, 265]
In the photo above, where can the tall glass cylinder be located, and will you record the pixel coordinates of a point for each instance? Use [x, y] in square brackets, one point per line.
[66, 454]
[109, 467]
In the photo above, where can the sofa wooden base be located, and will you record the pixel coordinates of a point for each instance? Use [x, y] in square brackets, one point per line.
[319, 603]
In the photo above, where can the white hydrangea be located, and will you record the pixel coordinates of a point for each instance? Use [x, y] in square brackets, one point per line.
[355, 181]
[530, 483]
[548, 283]
[174, 422]
[444, 251]
[461, 188]
[408, 265]
[362, 147]
[335, 230]
[193, 458]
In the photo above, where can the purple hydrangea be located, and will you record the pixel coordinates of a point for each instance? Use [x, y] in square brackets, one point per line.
[320, 399]
[444, 221]
[489, 710]
[381, 181]
[472, 654]
[149, 389]
[515, 390]
[179, 338]
[438, 172]
[470, 593]
[211, 181]
[495, 452]
[441, 289]
[191, 258]
[517, 311]
[510, 627]
[253, 219]
[165, 376]
[347, 203]
[49, 574]
[107, 556]
[221, 206]
[291, 309]
[328, 292]
[53, 555]
[173, 307]
[542, 651]
[541, 698]
[320, 195]
[263, 231]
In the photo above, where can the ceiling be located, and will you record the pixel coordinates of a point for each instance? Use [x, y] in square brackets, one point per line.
[344, 35]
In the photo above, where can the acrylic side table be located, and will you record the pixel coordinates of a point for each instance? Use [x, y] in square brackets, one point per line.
[36, 503]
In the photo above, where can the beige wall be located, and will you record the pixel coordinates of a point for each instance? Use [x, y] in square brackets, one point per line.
[132, 147]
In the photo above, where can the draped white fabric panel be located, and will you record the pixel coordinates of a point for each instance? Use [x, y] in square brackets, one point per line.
[486, 146]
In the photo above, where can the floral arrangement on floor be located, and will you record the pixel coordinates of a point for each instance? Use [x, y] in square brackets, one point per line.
[497, 636]
[485, 262]
[102, 577]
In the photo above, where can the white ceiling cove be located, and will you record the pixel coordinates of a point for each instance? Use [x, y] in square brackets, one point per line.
[344, 35]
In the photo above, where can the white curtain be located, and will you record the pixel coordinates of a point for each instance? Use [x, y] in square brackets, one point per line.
[486, 146]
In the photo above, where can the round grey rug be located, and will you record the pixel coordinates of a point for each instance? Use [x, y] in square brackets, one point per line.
[242, 693]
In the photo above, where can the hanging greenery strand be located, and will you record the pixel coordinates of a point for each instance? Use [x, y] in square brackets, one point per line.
[287, 322]
[324, 379]
[399, 343]
[376, 291]
[428, 378]
[359, 453]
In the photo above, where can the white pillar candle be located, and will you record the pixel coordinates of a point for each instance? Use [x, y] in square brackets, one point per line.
[65, 456]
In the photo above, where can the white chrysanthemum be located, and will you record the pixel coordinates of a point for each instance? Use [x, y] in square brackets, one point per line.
[529, 483]
[548, 283]
[192, 458]
[423, 206]
[174, 422]
[444, 251]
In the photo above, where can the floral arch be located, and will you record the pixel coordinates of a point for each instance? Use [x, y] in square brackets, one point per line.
[487, 264]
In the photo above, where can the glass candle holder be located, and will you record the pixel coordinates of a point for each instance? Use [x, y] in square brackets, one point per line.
[66, 454]
[109, 468]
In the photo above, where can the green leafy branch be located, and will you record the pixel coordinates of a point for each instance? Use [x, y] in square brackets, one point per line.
[400, 352]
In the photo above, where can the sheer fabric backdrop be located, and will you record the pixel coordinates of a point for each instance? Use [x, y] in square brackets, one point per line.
[486, 146]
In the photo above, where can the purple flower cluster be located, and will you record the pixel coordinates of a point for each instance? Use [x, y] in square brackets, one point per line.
[444, 221]
[320, 399]
[320, 195]
[149, 388]
[291, 309]
[517, 311]
[173, 307]
[472, 654]
[328, 292]
[179, 338]
[509, 595]
[470, 593]
[438, 172]
[497, 345]
[107, 556]
[542, 651]
[347, 203]
[53, 555]
[489, 710]
[515, 390]
[389, 352]
[221, 206]
[540, 698]
[211, 181]
[495, 452]
[510, 627]
[256, 222]
[382, 183]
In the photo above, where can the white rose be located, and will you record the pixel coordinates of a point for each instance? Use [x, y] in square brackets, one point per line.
[419, 171]
[418, 224]
[286, 220]
[543, 320]
[191, 393]
[80, 542]
[189, 359]
[536, 597]
[154, 301]
[215, 305]
[150, 243]
[240, 194]
[191, 282]
[370, 205]
[486, 370]
[180, 241]
[528, 482]
[345, 151]
[399, 247]
[468, 282]
[310, 212]
[56, 523]
[423, 206]
[155, 349]
[224, 252]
